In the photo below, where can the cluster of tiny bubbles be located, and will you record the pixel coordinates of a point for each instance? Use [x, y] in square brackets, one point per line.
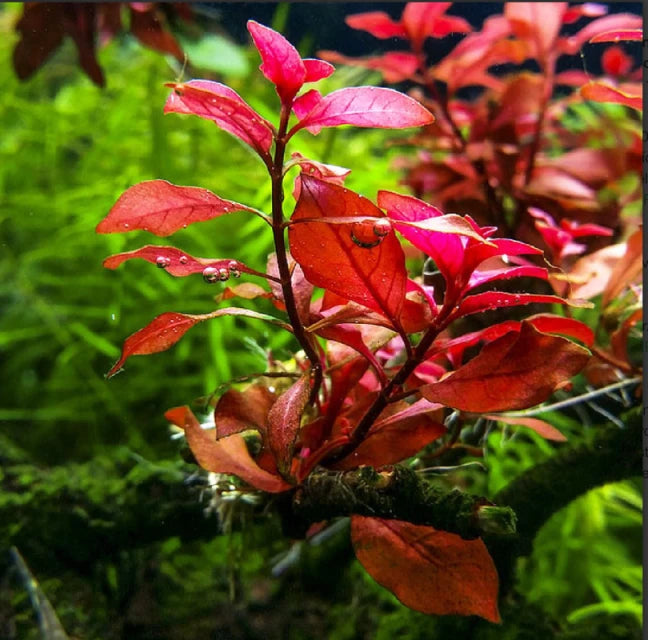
[162, 261]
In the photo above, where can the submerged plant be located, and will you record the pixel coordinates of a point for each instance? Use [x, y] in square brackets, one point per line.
[383, 368]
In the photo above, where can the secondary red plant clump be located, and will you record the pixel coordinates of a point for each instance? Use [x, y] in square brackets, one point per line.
[378, 364]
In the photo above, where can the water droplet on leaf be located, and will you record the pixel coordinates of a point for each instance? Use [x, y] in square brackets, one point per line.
[362, 234]
[210, 275]
[382, 227]
[162, 261]
[183, 260]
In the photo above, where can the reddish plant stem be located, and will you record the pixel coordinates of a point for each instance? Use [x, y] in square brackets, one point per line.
[276, 176]
[382, 400]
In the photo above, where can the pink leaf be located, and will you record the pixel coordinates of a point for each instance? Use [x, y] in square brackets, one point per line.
[378, 24]
[435, 572]
[216, 102]
[619, 34]
[350, 260]
[306, 102]
[228, 455]
[284, 421]
[179, 263]
[162, 208]
[616, 22]
[395, 66]
[425, 19]
[537, 22]
[479, 278]
[517, 371]
[541, 427]
[366, 107]
[601, 92]
[282, 64]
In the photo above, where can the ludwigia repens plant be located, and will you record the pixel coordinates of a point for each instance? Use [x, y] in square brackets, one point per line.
[379, 366]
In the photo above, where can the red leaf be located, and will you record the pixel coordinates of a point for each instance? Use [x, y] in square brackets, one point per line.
[217, 102]
[282, 64]
[618, 34]
[317, 69]
[349, 260]
[426, 19]
[431, 571]
[615, 22]
[148, 28]
[601, 92]
[378, 24]
[541, 427]
[160, 334]
[549, 323]
[166, 329]
[489, 300]
[238, 411]
[229, 455]
[537, 22]
[284, 420]
[163, 208]
[395, 66]
[179, 263]
[396, 437]
[366, 107]
[627, 269]
[516, 371]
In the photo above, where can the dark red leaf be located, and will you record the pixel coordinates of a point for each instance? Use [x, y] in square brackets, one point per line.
[284, 421]
[238, 411]
[149, 28]
[163, 208]
[366, 107]
[399, 435]
[282, 64]
[516, 371]
[348, 259]
[431, 571]
[228, 455]
[220, 104]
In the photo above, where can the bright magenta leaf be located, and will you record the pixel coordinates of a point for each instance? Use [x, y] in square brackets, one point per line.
[179, 263]
[541, 427]
[282, 64]
[517, 371]
[363, 262]
[284, 420]
[228, 455]
[399, 435]
[238, 411]
[317, 69]
[431, 571]
[220, 104]
[163, 208]
[365, 107]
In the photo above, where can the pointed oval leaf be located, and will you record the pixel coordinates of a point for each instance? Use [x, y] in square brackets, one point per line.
[238, 411]
[282, 64]
[284, 420]
[159, 335]
[516, 371]
[431, 571]
[601, 92]
[229, 455]
[369, 270]
[163, 208]
[541, 427]
[220, 104]
[317, 69]
[617, 35]
[396, 437]
[366, 107]
[179, 263]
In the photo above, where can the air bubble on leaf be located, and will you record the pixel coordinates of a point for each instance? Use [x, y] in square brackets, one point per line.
[223, 274]
[210, 275]
[382, 227]
[234, 270]
[162, 261]
[363, 234]
[183, 260]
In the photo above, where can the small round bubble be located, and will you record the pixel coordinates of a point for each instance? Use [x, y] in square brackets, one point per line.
[162, 261]
[210, 275]
[381, 227]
